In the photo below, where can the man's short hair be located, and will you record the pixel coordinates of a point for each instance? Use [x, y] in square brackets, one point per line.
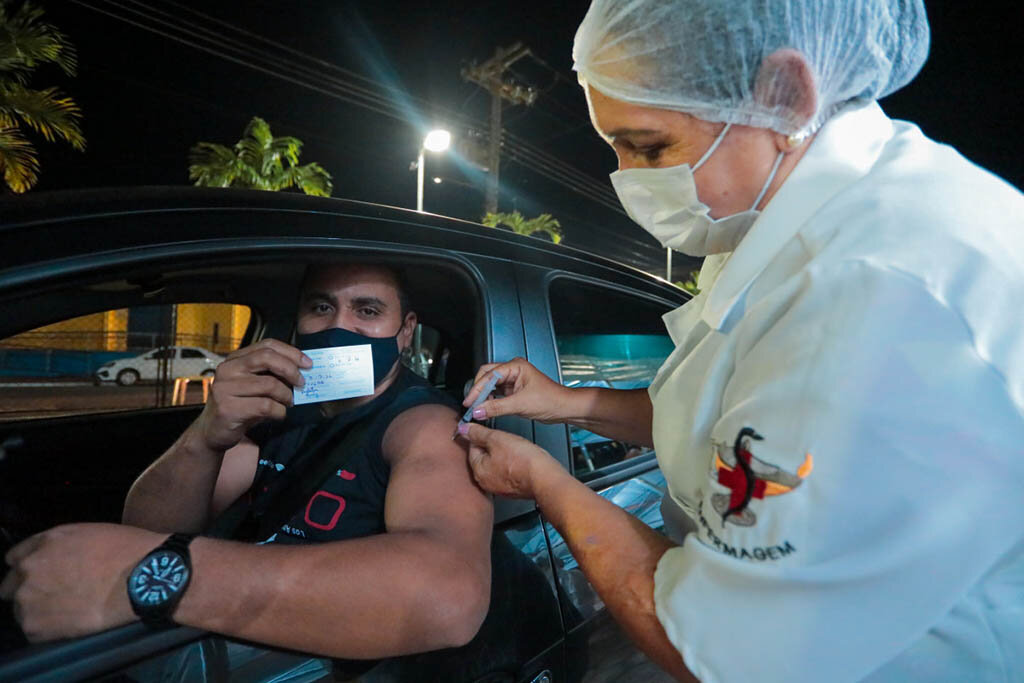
[401, 284]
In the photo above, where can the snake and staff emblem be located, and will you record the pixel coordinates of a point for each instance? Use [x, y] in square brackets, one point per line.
[749, 478]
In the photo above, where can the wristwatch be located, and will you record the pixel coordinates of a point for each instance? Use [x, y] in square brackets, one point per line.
[158, 581]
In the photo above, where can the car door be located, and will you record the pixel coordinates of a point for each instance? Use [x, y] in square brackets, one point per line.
[618, 344]
[63, 467]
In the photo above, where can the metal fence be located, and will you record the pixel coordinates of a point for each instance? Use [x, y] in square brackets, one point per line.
[69, 354]
[53, 370]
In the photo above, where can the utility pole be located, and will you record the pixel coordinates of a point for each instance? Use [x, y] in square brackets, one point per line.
[490, 77]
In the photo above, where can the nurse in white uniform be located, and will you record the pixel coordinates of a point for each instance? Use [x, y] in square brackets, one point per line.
[842, 420]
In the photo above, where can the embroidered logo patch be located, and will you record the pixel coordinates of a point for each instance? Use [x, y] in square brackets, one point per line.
[749, 478]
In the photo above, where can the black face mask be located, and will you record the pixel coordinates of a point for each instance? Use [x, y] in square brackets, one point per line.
[384, 349]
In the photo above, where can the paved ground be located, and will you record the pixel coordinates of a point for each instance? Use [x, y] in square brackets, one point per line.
[50, 399]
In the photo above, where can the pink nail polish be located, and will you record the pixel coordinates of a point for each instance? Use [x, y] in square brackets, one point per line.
[479, 414]
[463, 428]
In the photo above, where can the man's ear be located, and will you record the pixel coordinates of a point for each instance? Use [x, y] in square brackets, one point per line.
[785, 79]
[408, 327]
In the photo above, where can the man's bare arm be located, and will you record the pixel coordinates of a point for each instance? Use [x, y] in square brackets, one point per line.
[212, 463]
[422, 585]
[189, 484]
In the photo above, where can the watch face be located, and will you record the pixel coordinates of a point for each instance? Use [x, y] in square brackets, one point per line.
[158, 578]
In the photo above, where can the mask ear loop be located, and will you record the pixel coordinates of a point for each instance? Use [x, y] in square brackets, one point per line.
[771, 177]
[712, 148]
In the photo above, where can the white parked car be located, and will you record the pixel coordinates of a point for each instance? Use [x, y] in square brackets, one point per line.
[182, 361]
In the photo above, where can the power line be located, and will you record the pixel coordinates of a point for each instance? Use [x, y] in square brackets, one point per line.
[367, 99]
[379, 100]
[581, 178]
[238, 52]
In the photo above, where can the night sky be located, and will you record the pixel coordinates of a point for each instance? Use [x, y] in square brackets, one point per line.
[147, 98]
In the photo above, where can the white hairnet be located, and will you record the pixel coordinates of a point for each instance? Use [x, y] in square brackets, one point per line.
[705, 57]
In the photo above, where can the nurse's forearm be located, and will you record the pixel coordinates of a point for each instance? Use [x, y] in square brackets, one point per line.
[619, 414]
[618, 555]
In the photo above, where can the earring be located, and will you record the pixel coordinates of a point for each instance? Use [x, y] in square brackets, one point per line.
[796, 139]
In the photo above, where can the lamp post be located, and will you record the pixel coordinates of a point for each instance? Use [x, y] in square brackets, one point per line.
[437, 140]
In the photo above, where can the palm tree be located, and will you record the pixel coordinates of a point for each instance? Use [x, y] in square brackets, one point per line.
[258, 161]
[26, 41]
[691, 283]
[518, 224]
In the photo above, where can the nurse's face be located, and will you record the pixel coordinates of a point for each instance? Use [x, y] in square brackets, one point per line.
[728, 182]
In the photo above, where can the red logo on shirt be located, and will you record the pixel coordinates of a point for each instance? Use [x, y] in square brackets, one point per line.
[324, 510]
[748, 478]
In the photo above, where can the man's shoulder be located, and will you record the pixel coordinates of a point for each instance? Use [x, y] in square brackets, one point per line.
[425, 429]
[426, 422]
[415, 406]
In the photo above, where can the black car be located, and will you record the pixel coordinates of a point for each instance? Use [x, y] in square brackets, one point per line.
[90, 277]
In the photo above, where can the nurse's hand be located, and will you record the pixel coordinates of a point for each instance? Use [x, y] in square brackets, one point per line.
[507, 464]
[528, 393]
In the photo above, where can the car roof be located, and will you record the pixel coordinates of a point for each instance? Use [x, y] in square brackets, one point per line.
[55, 225]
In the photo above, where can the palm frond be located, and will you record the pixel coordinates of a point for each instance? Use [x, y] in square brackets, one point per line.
[18, 161]
[691, 283]
[257, 161]
[513, 220]
[47, 111]
[260, 149]
[27, 41]
[257, 129]
[546, 224]
[518, 224]
[212, 165]
[312, 179]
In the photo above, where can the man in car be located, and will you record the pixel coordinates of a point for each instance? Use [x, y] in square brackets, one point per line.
[390, 556]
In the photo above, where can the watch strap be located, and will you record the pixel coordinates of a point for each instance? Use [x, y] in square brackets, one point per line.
[179, 544]
[160, 615]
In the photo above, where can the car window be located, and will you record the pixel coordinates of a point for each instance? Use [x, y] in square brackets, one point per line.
[121, 359]
[618, 343]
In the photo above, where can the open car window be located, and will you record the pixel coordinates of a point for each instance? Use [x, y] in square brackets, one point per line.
[90, 367]
[118, 359]
[617, 345]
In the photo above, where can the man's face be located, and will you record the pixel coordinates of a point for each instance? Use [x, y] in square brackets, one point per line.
[362, 299]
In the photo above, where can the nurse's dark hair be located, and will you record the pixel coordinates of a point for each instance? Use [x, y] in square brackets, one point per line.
[401, 284]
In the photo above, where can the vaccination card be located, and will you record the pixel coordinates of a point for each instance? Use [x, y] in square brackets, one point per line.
[338, 372]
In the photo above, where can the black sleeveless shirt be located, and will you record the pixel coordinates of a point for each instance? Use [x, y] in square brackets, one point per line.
[350, 503]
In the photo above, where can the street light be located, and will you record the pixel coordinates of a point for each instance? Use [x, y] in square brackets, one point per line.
[436, 141]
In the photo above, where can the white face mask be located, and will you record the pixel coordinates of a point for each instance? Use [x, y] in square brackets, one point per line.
[663, 201]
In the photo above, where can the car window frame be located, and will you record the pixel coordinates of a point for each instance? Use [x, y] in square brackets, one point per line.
[557, 437]
[109, 651]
